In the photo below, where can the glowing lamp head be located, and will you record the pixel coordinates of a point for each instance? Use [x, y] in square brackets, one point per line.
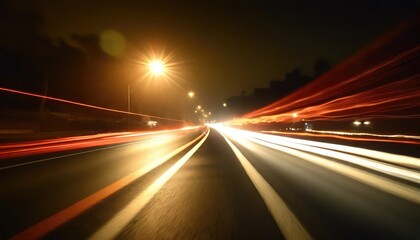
[157, 67]
[191, 94]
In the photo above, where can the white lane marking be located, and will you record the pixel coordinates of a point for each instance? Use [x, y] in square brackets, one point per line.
[398, 189]
[113, 227]
[283, 216]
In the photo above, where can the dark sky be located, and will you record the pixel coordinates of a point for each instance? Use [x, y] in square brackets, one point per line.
[226, 47]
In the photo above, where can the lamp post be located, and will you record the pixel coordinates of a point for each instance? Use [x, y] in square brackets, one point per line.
[156, 67]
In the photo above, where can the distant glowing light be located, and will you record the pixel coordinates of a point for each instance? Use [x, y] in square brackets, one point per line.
[295, 115]
[191, 94]
[198, 107]
[357, 123]
[224, 105]
[157, 67]
[366, 122]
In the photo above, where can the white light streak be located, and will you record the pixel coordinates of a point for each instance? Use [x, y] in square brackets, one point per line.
[312, 154]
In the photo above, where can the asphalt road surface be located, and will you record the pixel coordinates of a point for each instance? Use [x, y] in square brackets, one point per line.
[216, 184]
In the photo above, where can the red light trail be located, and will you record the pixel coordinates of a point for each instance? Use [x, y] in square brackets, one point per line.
[388, 90]
[12, 150]
[379, 82]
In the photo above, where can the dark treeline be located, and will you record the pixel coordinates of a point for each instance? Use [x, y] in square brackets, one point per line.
[74, 69]
[238, 105]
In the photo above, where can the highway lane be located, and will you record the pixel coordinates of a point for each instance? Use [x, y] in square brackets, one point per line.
[332, 197]
[247, 186]
[210, 197]
[41, 185]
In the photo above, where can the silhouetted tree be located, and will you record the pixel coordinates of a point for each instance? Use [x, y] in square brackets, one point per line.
[321, 66]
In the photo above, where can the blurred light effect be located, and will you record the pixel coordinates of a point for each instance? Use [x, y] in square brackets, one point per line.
[191, 94]
[112, 42]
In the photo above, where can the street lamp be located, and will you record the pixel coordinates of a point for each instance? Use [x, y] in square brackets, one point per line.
[156, 67]
[224, 105]
[191, 94]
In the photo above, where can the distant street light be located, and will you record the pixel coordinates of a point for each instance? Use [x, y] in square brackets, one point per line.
[224, 105]
[198, 107]
[191, 94]
[357, 123]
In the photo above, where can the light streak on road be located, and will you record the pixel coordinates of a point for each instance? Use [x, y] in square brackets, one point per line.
[405, 139]
[78, 142]
[330, 156]
[378, 155]
[366, 134]
[51, 223]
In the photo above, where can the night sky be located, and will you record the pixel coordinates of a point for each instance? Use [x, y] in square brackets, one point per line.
[223, 48]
